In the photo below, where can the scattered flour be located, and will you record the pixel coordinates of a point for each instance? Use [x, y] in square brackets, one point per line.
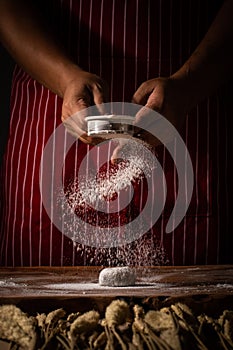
[7, 284]
[85, 287]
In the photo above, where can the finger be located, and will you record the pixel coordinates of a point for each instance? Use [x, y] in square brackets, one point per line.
[147, 121]
[79, 118]
[100, 97]
[155, 101]
[76, 107]
[84, 138]
[77, 132]
[73, 128]
[91, 140]
[76, 121]
[96, 140]
[82, 104]
[155, 130]
[142, 94]
[145, 118]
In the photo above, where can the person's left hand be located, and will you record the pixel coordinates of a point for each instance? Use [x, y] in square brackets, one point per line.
[165, 96]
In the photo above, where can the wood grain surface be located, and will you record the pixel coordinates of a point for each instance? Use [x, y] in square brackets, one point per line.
[205, 288]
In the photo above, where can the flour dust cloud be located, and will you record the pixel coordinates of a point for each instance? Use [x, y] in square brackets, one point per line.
[103, 202]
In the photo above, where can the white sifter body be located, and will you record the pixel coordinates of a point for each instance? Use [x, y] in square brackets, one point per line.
[110, 126]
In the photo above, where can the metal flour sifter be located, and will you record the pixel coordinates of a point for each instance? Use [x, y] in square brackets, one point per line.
[110, 126]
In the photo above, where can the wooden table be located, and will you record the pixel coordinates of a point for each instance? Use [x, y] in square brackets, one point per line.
[41, 289]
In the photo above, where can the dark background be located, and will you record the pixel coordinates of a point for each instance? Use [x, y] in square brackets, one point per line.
[6, 70]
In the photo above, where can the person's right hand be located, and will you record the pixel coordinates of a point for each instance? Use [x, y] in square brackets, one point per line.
[82, 91]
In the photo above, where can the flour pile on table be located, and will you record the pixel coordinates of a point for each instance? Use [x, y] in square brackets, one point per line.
[117, 276]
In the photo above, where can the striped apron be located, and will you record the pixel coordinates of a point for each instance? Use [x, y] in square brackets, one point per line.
[126, 42]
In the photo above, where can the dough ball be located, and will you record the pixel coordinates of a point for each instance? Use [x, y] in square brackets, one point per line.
[117, 276]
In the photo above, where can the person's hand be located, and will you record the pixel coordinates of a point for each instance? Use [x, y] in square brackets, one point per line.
[167, 96]
[84, 90]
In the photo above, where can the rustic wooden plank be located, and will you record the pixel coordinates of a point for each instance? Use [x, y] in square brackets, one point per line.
[39, 289]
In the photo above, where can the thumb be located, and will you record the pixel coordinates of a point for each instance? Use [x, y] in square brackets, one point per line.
[115, 157]
[117, 154]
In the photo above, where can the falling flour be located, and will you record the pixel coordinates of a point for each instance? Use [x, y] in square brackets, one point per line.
[92, 194]
[105, 185]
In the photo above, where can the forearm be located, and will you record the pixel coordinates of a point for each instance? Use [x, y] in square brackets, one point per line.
[211, 64]
[25, 36]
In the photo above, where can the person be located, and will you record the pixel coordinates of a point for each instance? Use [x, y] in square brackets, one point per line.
[63, 65]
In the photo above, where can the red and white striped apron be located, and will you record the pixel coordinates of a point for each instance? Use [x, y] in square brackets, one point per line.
[125, 42]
